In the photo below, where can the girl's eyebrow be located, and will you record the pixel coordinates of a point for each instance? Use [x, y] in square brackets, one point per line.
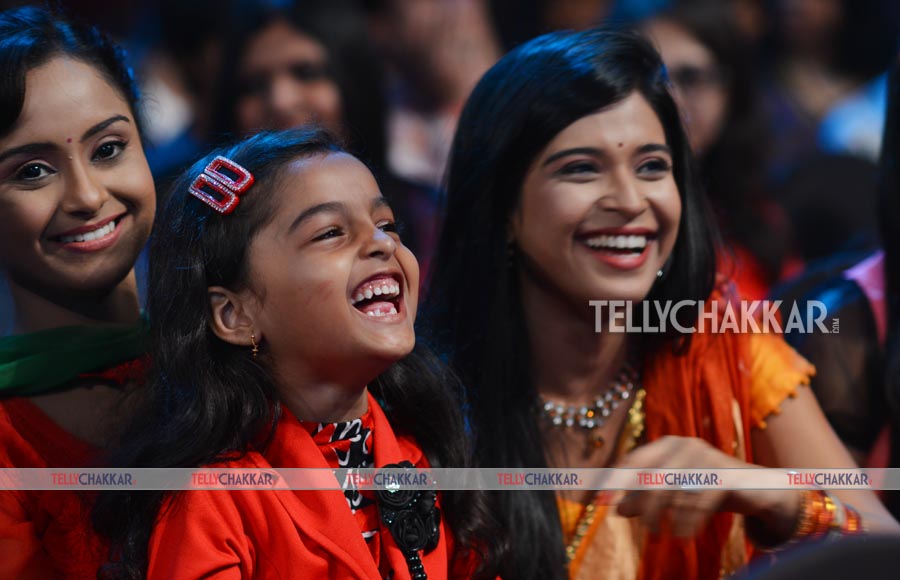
[379, 202]
[331, 206]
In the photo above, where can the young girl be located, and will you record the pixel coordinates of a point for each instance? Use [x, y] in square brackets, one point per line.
[282, 311]
[571, 182]
[76, 207]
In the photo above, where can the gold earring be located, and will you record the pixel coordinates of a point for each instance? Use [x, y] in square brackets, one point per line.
[254, 348]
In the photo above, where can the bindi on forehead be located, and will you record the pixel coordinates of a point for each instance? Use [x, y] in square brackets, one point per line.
[68, 139]
[621, 145]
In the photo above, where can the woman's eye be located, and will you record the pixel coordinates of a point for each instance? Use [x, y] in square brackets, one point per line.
[109, 150]
[33, 172]
[579, 167]
[655, 166]
[327, 235]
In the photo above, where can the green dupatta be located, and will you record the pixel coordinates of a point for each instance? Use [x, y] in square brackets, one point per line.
[42, 362]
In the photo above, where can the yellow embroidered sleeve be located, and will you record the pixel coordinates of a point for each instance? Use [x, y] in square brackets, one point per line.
[776, 372]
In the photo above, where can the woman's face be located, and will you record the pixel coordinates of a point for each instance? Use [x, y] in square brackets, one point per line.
[335, 285]
[284, 81]
[599, 210]
[76, 195]
[697, 81]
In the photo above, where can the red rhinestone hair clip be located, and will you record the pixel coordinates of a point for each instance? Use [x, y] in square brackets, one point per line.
[220, 184]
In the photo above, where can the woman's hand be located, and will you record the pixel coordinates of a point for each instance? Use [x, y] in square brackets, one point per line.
[685, 512]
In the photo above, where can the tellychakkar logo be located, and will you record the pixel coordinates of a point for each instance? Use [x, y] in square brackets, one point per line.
[716, 317]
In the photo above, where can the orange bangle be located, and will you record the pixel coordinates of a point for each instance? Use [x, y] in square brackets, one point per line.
[821, 514]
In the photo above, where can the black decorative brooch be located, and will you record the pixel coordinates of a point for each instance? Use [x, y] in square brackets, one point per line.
[414, 520]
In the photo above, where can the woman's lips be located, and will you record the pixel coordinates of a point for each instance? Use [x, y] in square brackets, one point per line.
[84, 240]
[622, 249]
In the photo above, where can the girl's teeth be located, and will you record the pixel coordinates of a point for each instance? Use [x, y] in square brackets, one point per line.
[370, 291]
[393, 310]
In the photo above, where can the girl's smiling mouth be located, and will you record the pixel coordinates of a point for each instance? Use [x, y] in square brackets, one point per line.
[379, 297]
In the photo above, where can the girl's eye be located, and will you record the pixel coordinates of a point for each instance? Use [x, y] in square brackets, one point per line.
[33, 172]
[109, 150]
[392, 227]
[578, 168]
[655, 167]
[327, 235]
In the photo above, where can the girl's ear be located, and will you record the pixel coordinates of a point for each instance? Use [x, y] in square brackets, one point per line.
[232, 316]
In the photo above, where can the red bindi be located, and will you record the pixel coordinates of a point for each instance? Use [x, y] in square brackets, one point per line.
[69, 140]
[620, 145]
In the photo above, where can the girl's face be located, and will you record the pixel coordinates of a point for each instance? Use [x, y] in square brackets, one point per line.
[76, 195]
[599, 210]
[699, 88]
[284, 82]
[333, 284]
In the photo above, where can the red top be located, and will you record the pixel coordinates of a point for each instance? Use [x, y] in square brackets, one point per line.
[278, 534]
[44, 534]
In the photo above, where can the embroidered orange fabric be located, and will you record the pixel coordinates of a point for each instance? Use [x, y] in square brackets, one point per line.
[695, 395]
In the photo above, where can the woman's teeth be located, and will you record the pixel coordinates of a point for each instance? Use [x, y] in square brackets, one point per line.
[634, 243]
[90, 236]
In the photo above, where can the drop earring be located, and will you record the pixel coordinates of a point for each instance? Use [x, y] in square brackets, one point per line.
[254, 347]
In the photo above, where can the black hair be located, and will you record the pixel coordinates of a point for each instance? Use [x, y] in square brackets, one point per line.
[339, 26]
[733, 166]
[475, 310]
[889, 217]
[31, 36]
[207, 400]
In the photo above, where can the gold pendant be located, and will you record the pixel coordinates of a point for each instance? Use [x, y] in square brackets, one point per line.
[598, 441]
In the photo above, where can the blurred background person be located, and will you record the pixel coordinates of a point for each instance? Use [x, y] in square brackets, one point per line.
[713, 82]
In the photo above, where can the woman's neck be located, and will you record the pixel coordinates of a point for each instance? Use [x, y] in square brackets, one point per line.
[35, 311]
[570, 360]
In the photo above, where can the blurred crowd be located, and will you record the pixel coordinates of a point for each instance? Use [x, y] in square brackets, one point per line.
[783, 99]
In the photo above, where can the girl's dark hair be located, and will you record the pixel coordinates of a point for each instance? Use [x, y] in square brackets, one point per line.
[733, 167]
[339, 26]
[475, 308]
[207, 400]
[30, 36]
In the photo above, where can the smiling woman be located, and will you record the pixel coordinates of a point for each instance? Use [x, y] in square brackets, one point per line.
[571, 180]
[76, 207]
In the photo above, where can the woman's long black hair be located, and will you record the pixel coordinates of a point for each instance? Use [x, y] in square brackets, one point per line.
[207, 400]
[475, 310]
[732, 169]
